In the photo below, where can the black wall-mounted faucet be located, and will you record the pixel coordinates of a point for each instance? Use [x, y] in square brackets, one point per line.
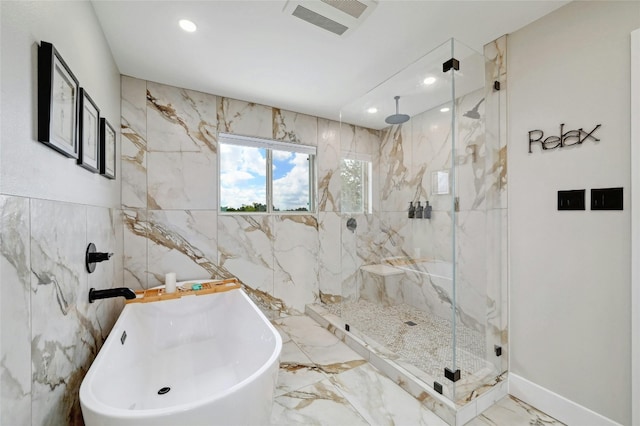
[92, 257]
[125, 292]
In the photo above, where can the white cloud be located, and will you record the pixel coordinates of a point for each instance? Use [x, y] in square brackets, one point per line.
[292, 190]
[237, 197]
[241, 158]
[234, 177]
[281, 155]
[242, 175]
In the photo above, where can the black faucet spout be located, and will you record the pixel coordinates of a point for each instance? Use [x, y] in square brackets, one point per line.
[125, 292]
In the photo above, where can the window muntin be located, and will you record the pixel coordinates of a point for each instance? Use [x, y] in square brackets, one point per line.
[261, 175]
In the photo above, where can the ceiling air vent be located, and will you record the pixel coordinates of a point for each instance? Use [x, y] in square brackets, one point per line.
[319, 20]
[351, 7]
[336, 16]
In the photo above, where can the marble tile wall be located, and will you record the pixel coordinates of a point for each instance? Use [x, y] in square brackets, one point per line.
[50, 332]
[170, 201]
[15, 270]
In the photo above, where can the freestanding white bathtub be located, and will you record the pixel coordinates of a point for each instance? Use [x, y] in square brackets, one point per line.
[199, 360]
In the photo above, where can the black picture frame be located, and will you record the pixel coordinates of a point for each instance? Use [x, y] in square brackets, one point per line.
[89, 133]
[58, 92]
[108, 138]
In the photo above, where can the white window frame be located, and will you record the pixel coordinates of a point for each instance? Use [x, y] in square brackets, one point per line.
[269, 145]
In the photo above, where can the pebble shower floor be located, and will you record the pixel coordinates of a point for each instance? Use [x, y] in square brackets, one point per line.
[427, 345]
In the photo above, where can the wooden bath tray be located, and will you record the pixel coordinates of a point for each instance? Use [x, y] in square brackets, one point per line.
[185, 289]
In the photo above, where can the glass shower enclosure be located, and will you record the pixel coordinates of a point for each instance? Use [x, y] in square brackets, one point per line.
[423, 222]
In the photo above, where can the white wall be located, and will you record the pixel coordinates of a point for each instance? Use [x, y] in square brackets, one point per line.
[50, 209]
[29, 168]
[570, 271]
[635, 221]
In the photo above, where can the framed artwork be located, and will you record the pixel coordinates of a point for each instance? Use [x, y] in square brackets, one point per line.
[58, 93]
[89, 131]
[107, 149]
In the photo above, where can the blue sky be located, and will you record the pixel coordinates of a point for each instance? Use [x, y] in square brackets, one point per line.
[243, 177]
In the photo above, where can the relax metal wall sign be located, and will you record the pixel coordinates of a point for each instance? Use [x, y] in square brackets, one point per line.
[565, 139]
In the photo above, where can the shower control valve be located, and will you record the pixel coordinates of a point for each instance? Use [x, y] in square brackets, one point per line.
[92, 257]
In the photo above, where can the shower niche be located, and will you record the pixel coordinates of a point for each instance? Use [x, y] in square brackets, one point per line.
[428, 297]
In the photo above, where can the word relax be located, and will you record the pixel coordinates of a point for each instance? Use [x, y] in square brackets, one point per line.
[572, 137]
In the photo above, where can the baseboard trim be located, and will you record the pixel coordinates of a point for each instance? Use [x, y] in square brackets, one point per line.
[555, 405]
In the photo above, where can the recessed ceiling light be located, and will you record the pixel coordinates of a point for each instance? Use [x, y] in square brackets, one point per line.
[372, 110]
[445, 109]
[187, 25]
[429, 80]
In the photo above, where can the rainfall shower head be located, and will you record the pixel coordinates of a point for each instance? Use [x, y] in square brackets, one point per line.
[474, 112]
[397, 118]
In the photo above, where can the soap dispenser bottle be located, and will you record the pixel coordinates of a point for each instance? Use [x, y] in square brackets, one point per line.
[427, 211]
[419, 210]
[412, 210]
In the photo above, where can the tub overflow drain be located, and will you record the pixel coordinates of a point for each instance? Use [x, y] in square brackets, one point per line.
[164, 390]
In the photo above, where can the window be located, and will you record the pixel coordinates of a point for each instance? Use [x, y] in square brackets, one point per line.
[262, 175]
[355, 174]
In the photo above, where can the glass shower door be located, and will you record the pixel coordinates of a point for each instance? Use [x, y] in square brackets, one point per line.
[422, 221]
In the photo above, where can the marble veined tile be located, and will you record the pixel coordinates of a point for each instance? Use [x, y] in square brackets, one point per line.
[294, 127]
[64, 340]
[184, 242]
[134, 104]
[367, 141]
[318, 404]
[329, 258]
[133, 152]
[295, 249]
[244, 118]
[329, 157]
[245, 249]
[358, 140]
[473, 165]
[58, 235]
[472, 267]
[134, 259]
[381, 401]
[296, 370]
[431, 145]
[399, 182]
[323, 348]
[104, 229]
[347, 138]
[15, 324]
[512, 411]
[182, 180]
[180, 119]
[496, 117]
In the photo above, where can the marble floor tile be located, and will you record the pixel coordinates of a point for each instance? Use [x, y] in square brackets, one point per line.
[323, 348]
[313, 391]
[381, 401]
[317, 404]
[296, 370]
[513, 412]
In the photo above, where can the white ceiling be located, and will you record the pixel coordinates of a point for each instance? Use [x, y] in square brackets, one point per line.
[254, 51]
